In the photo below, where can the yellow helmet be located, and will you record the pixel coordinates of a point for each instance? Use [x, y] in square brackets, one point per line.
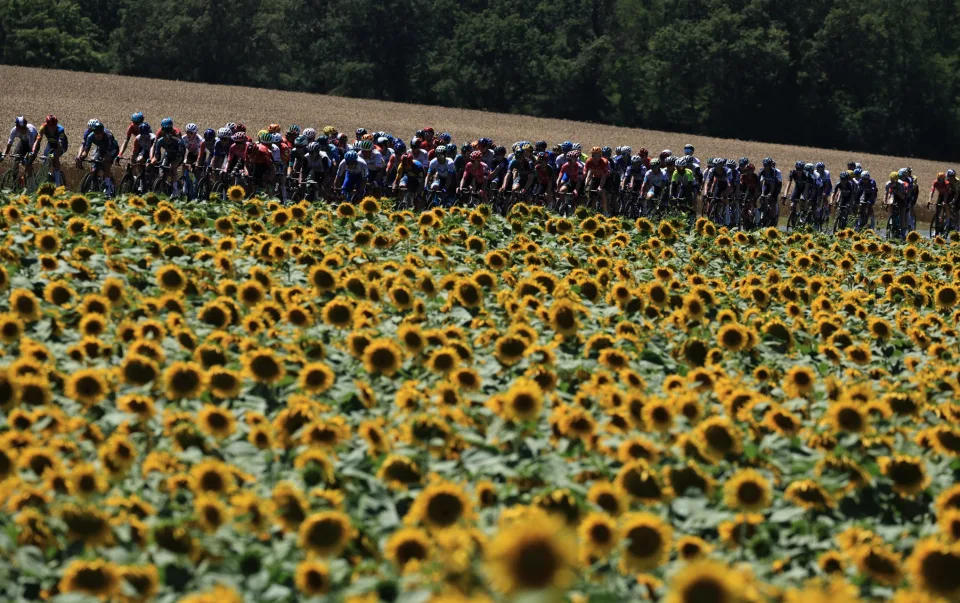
[893, 175]
[273, 128]
[329, 130]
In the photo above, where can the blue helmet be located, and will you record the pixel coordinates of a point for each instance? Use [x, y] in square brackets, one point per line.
[566, 147]
[350, 157]
[137, 117]
[446, 138]
[399, 146]
[145, 128]
[452, 150]
[209, 133]
[821, 166]
[166, 123]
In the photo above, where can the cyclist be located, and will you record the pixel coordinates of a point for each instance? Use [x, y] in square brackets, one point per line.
[645, 154]
[825, 178]
[954, 183]
[442, 173]
[399, 150]
[692, 162]
[633, 175]
[570, 174]
[191, 144]
[597, 170]
[868, 193]
[654, 181]
[475, 175]
[361, 132]
[264, 156]
[237, 155]
[25, 134]
[520, 170]
[374, 160]
[941, 188]
[843, 194]
[683, 183]
[205, 153]
[313, 166]
[56, 138]
[170, 143]
[750, 183]
[416, 147]
[352, 174]
[220, 148]
[142, 147]
[498, 167]
[912, 197]
[795, 182]
[133, 130]
[107, 152]
[718, 179]
[543, 170]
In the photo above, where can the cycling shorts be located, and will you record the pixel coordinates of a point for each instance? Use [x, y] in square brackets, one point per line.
[721, 186]
[192, 157]
[352, 181]
[373, 176]
[410, 181]
[594, 183]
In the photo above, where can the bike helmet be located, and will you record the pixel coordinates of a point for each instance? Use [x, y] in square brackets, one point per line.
[577, 146]
[542, 156]
[231, 126]
[383, 141]
[145, 129]
[415, 142]
[751, 167]
[445, 138]
[192, 128]
[680, 162]
[743, 161]
[137, 117]
[273, 128]
[951, 173]
[276, 138]
[301, 141]
[166, 123]
[342, 137]
[893, 175]
[860, 167]
[566, 147]
[865, 175]
[607, 152]
[541, 145]
[441, 151]
[688, 149]
[239, 137]
[636, 160]
[361, 132]
[845, 175]
[428, 130]
[851, 165]
[643, 152]
[92, 123]
[595, 150]
[821, 166]
[223, 132]
[350, 157]
[573, 155]
[313, 147]
[499, 151]
[798, 165]
[655, 163]
[329, 130]
[20, 122]
[485, 141]
[671, 160]
[665, 153]
[241, 127]
[767, 162]
[808, 167]
[527, 147]
[209, 133]
[365, 145]
[626, 151]
[98, 126]
[264, 136]
[399, 146]
[310, 133]
[419, 134]
[465, 148]
[322, 139]
[476, 156]
[731, 163]
[857, 172]
[51, 120]
[293, 129]
[451, 149]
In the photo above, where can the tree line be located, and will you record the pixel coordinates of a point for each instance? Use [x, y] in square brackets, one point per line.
[876, 75]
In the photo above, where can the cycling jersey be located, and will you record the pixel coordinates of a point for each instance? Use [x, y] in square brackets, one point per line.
[570, 171]
[221, 147]
[655, 179]
[597, 167]
[442, 171]
[191, 143]
[171, 143]
[375, 161]
[942, 187]
[58, 136]
[27, 136]
[521, 165]
[477, 171]
[827, 183]
[359, 168]
[635, 174]
[237, 152]
[749, 182]
[544, 174]
[845, 188]
[422, 156]
[685, 178]
[869, 190]
[954, 186]
[769, 179]
[318, 163]
[498, 168]
[105, 144]
[142, 144]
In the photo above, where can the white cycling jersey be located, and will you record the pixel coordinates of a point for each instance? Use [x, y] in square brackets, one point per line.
[442, 170]
[360, 168]
[28, 135]
[375, 161]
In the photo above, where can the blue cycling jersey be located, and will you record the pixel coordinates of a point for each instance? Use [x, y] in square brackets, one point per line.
[106, 142]
[171, 143]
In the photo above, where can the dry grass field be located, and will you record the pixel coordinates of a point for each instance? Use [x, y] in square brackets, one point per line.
[111, 98]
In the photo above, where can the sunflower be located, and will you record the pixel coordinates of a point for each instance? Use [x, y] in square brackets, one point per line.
[24, 304]
[858, 353]
[11, 327]
[257, 513]
[184, 380]
[323, 279]
[97, 578]
[213, 477]
[382, 356]
[799, 381]
[641, 483]
[690, 548]
[443, 360]
[236, 193]
[47, 241]
[399, 472]
[607, 497]
[225, 383]
[523, 401]
[89, 525]
[142, 582]
[648, 541]
[210, 512]
[946, 296]
[408, 545]
[312, 578]
[263, 366]
[171, 278]
[908, 474]
[338, 312]
[747, 490]
[316, 378]
[510, 349]
[808, 494]
[86, 386]
[466, 379]
[441, 505]
[216, 422]
[326, 533]
[531, 556]
[847, 416]
[597, 536]
[85, 481]
[718, 437]
[877, 562]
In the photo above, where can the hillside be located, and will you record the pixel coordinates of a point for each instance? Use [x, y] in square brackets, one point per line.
[111, 98]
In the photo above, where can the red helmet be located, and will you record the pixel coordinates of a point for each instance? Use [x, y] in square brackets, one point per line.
[751, 167]
[643, 152]
[52, 120]
[476, 156]
[572, 155]
[428, 129]
[407, 157]
[240, 128]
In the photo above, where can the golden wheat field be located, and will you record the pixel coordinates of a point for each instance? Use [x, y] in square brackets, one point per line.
[112, 98]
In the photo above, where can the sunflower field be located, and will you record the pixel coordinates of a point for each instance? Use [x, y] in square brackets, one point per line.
[232, 402]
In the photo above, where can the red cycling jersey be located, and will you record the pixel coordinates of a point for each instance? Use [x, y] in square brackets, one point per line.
[260, 154]
[598, 167]
[477, 170]
[571, 169]
[942, 187]
[749, 181]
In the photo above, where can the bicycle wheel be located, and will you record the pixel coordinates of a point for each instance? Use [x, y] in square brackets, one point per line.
[161, 186]
[9, 179]
[204, 188]
[126, 185]
[91, 184]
